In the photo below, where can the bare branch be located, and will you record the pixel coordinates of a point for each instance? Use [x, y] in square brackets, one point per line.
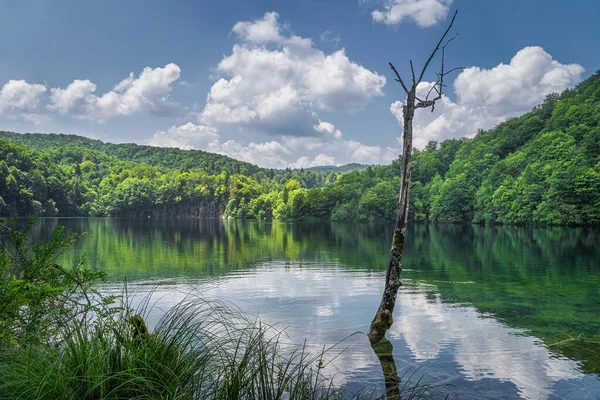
[440, 80]
[454, 69]
[437, 48]
[413, 73]
[398, 79]
[433, 87]
[451, 39]
[426, 103]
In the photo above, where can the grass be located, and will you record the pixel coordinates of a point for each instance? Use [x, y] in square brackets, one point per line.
[83, 345]
[198, 350]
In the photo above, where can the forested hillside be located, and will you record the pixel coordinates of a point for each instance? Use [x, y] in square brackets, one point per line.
[543, 168]
[68, 176]
[156, 156]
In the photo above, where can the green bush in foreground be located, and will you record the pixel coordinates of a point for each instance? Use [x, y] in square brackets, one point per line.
[36, 294]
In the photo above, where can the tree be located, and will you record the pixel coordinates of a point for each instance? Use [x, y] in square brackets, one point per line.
[383, 317]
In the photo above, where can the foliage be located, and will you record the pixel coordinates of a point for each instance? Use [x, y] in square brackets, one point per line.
[37, 295]
[170, 158]
[540, 168]
[199, 350]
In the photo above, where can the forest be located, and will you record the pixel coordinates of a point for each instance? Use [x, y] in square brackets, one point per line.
[540, 168]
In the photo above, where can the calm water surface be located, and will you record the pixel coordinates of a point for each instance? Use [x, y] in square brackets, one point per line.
[478, 313]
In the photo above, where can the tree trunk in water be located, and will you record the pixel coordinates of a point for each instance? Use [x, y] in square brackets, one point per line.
[383, 318]
[385, 353]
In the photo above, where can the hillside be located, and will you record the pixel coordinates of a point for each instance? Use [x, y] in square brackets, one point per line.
[542, 168]
[156, 156]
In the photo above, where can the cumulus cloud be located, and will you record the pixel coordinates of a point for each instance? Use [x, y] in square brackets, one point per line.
[18, 96]
[186, 137]
[201, 137]
[320, 159]
[425, 13]
[328, 129]
[147, 92]
[77, 98]
[268, 154]
[481, 346]
[328, 148]
[365, 154]
[261, 31]
[486, 97]
[276, 82]
[36, 119]
[342, 150]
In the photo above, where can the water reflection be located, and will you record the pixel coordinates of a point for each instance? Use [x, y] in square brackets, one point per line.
[477, 306]
[481, 347]
[455, 346]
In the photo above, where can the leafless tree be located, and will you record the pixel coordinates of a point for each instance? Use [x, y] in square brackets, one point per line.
[383, 318]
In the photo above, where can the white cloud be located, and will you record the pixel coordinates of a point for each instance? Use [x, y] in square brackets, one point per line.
[364, 154]
[424, 13]
[148, 92]
[261, 31]
[530, 76]
[77, 98]
[319, 160]
[276, 82]
[328, 148]
[329, 129]
[37, 119]
[486, 97]
[17, 96]
[268, 154]
[483, 347]
[188, 136]
[341, 150]
[201, 137]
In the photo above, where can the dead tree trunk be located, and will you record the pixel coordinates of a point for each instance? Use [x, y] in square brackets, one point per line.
[383, 318]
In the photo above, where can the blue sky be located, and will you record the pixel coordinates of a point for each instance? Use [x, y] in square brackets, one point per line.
[281, 83]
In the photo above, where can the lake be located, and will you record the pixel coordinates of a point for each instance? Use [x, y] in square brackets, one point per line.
[479, 315]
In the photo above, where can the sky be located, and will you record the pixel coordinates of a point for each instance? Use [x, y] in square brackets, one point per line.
[292, 83]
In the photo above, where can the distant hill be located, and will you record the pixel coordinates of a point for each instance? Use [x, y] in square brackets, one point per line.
[167, 157]
[156, 156]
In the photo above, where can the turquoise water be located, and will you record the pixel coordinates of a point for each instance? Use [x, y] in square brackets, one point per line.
[478, 315]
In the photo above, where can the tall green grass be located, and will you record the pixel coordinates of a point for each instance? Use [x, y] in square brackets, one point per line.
[198, 350]
[62, 338]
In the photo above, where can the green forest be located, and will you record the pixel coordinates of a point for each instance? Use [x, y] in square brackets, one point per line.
[540, 168]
